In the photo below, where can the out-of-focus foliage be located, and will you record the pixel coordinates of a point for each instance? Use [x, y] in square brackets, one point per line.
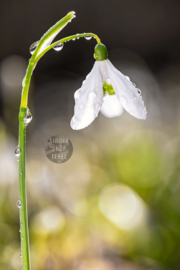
[113, 205]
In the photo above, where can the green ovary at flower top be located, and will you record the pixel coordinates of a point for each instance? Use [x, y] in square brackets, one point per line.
[107, 90]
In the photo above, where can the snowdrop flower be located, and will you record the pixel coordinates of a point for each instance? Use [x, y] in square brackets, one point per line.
[108, 90]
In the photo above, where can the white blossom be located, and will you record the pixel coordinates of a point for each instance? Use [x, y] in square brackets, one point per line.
[90, 99]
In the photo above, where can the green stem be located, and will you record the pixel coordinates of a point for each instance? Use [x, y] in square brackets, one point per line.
[67, 39]
[22, 191]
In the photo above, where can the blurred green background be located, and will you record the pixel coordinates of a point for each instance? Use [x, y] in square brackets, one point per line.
[115, 205]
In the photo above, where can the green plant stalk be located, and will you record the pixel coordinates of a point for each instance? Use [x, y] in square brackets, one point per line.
[22, 191]
[22, 131]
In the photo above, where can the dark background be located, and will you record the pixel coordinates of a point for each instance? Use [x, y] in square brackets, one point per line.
[70, 226]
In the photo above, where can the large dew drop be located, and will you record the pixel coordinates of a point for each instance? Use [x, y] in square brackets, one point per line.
[17, 151]
[88, 37]
[58, 47]
[28, 117]
[18, 203]
[127, 78]
[33, 47]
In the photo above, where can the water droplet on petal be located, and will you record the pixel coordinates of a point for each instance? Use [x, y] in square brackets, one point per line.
[91, 96]
[17, 151]
[76, 95]
[134, 84]
[33, 47]
[28, 117]
[81, 106]
[58, 47]
[127, 78]
[139, 91]
[88, 37]
[18, 203]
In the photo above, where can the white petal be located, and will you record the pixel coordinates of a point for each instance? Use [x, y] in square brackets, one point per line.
[111, 106]
[126, 92]
[88, 99]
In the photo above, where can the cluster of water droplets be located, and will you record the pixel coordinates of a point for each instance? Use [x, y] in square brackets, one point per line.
[86, 37]
[139, 94]
[91, 101]
[19, 205]
[138, 90]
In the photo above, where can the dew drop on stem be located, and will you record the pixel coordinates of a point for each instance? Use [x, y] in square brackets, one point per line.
[33, 47]
[88, 37]
[58, 47]
[18, 203]
[23, 81]
[17, 151]
[28, 117]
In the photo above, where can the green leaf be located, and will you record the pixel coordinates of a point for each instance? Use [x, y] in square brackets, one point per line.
[49, 36]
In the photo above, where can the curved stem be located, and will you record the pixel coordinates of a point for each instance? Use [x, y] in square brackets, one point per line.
[34, 59]
[67, 39]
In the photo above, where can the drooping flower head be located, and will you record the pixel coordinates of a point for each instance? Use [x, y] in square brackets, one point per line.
[107, 90]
